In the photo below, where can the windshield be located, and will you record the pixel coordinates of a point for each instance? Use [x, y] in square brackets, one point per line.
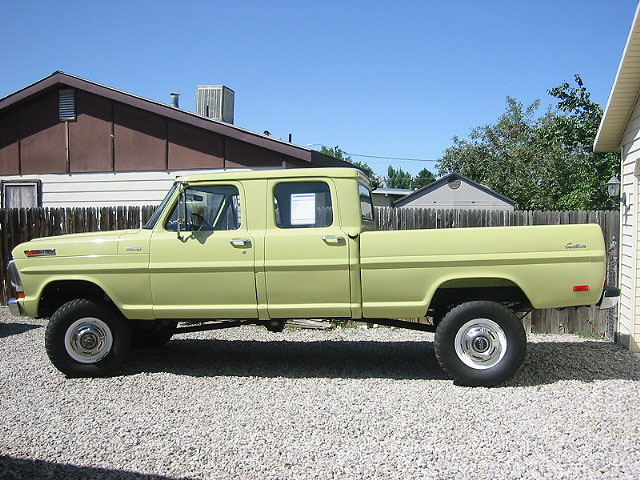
[154, 218]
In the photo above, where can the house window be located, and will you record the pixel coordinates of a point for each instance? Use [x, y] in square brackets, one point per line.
[22, 194]
[67, 104]
[302, 205]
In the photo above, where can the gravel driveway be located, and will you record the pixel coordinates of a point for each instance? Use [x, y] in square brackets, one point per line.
[246, 403]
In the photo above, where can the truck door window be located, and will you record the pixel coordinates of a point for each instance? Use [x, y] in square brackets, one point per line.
[302, 205]
[205, 208]
[366, 206]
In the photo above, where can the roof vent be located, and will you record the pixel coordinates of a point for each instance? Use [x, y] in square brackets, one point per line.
[454, 183]
[174, 100]
[67, 104]
[215, 102]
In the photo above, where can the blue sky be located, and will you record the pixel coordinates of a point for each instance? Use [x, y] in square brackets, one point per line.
[395, 79]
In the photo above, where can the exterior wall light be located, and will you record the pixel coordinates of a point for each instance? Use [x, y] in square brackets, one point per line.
[613, 186]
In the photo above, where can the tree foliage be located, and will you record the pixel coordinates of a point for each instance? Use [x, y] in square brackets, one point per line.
[338, 153]
[398, 178]
[335, 152]
[366, 169]
[424, 177]
[544, 162]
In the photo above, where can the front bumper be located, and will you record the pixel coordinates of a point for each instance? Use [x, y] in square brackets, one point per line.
[15, 307]
[609, 298]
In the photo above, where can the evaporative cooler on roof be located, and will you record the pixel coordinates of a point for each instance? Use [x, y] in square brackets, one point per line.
[215, 102]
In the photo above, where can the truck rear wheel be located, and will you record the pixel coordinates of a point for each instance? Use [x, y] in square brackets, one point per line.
[480, 343]
[85, 338]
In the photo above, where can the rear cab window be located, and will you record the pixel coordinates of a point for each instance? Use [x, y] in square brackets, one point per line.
[303, 204]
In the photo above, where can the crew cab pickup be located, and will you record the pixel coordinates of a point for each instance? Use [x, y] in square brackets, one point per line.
[260, 247]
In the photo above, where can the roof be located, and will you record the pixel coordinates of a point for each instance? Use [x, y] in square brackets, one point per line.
[58, 78]
[336, 172]
[441, 181]
[624, 94]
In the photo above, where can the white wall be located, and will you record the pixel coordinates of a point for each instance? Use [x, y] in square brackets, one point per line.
[628, 311]
[105, 189]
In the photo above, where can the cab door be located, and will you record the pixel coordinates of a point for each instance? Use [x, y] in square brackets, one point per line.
[202, 257]
[306, 251]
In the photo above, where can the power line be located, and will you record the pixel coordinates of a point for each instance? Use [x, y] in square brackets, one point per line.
[391, 158]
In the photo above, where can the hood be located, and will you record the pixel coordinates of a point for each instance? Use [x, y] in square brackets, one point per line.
[76, 244]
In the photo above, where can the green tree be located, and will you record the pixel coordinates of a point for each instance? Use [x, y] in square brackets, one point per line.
[398, 178]
[337, 152]
[365, 168]
[424, 177]
[544, 162]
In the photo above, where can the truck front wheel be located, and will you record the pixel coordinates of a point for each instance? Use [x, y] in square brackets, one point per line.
[85, 338]
[480, 343]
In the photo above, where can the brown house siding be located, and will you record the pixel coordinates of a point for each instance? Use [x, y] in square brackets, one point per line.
[9, 148]
[139, 139]
[192, 147]
[239, 154]
[115, 131]
[42, 137]
[90, 141]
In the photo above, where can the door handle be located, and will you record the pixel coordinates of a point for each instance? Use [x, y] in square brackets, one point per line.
[338, 240]
[240, 242]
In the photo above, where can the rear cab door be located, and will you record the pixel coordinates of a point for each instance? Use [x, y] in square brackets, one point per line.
[306, 250]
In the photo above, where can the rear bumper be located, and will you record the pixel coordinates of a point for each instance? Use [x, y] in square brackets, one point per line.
[609, 298]
[15, 308]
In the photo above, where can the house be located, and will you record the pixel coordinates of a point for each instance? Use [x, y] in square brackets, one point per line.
[620, 132]
[66, 141]
[455, 191]
[384, 197]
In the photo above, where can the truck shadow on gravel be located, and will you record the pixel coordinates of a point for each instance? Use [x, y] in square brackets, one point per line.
[15, 468]
[8, 329]
[546, 362]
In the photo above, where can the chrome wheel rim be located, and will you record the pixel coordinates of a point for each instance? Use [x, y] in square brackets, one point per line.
[480, 343]
[88, 340]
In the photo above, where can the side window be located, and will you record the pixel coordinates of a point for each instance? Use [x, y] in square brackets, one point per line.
[366, 205]
[206, 208]
[302, 205]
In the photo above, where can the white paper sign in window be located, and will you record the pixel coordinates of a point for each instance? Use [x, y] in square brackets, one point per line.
[303, 208]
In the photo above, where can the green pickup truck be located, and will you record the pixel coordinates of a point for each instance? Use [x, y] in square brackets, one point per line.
[260, 247]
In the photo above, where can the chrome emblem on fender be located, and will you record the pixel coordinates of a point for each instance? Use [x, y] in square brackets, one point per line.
[575, 245]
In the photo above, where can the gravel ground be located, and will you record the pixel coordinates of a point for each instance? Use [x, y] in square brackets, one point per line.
[246, 403]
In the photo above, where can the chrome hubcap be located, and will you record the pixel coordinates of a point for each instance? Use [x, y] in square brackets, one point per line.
[480, 343]
[88, 340]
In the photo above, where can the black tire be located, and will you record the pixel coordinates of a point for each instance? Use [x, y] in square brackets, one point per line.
[86, 338]
[151, 333]
[480, 344]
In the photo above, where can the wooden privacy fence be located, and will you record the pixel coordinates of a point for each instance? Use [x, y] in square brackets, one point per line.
[19, 225]
[570, 320]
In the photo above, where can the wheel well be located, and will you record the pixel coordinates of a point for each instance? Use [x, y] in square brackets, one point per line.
[56, 294]
[454, 293]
